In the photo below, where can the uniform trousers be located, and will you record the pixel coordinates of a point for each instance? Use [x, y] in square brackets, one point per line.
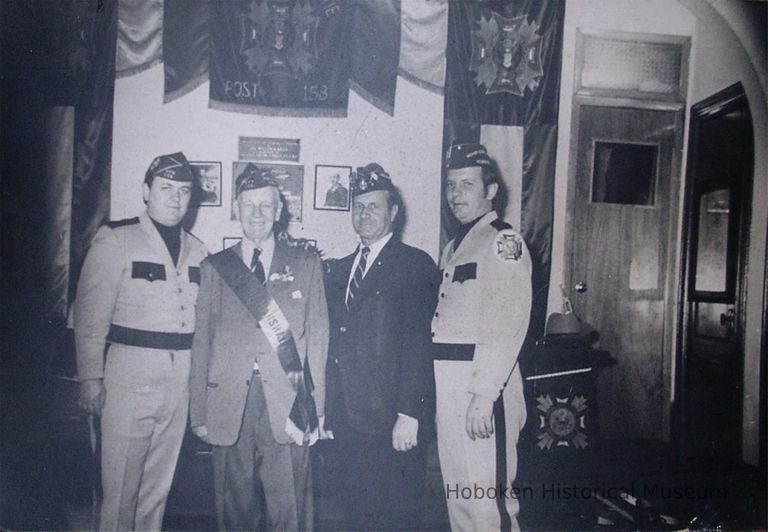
[382, 488]
[470, 467]
[256, 464]
[142, 427]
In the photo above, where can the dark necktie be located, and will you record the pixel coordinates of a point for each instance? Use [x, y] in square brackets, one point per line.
[256, 267]
[357, 278]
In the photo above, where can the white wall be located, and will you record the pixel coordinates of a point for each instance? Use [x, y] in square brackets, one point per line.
[408, 146]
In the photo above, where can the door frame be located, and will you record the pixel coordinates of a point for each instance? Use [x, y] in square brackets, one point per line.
[673, 268]
[722, 102]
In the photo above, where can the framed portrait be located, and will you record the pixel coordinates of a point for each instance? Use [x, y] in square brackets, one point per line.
[229, 241]
[208, 177]
[290, 181]
[332, 187]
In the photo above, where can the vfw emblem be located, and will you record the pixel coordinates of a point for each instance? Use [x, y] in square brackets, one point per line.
[562, 422]
[506, 54]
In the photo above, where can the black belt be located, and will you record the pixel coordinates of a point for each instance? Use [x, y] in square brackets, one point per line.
[454, 351]
[149, 339]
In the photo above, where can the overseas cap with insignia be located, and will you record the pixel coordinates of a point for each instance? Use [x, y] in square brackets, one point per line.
[467, 155]
[254, 177]
[370, 178]
[173, 166]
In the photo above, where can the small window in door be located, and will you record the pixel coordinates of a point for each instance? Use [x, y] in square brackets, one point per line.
[624, 173]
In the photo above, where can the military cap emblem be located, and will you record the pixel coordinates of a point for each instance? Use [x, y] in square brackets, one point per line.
[173, 166]
[509, 246]
[369, 178]
[254, 177]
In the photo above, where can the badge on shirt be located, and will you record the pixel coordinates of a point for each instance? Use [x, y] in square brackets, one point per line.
[465, 272]
[509, 246]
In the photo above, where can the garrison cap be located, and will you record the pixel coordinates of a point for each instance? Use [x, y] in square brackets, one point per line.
[370, 178]
[173, 166]
[254, 177]
[467, 155]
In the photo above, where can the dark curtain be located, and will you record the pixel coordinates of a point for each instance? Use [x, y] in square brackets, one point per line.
[186, 46]
[375, 48]
[478, 93]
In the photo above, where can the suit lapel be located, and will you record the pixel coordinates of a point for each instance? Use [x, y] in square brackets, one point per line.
[377, 271]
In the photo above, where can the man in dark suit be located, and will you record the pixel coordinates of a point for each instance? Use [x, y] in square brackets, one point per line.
[380, 301]
[257, 383]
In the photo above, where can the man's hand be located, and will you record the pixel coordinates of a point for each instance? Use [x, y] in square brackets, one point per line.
[201, 432]
[322, 432]
[92, 395]
[479, 422]
[405, 433]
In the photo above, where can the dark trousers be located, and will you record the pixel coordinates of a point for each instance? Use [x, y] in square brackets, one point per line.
[382, 488]
[255, 466]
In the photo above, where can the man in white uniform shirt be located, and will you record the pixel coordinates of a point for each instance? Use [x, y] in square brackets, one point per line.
[478, 328]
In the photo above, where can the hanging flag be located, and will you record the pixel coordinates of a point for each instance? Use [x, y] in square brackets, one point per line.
[139, 35]
[186, 46]
[503, 69]
[424, 26]
[281, 57]
[375, 47]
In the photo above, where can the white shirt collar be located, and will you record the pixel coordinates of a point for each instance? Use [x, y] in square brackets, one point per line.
[267, 251]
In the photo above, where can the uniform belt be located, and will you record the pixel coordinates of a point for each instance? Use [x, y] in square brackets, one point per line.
[149, 339]
[454, 351]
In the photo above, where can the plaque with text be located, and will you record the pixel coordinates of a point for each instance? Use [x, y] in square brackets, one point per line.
[268, 149]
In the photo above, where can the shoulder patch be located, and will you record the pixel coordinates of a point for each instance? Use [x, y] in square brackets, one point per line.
[120, 223]
[500, 224]
[508, 246]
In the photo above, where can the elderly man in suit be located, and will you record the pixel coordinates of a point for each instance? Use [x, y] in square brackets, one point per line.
[380, 300]
[478, 329]
[136, 299]
[257, 386]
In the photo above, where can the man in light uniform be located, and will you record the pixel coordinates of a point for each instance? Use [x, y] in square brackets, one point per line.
[478, 329]
[257, 387]
[136, 297]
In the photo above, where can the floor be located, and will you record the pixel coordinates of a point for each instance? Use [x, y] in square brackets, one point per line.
[47, 484]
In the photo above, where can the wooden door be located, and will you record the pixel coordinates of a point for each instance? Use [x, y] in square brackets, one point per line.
[627, 160]
[719, 195]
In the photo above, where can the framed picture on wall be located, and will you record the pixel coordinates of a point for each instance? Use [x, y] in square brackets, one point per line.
[229, 241]
[208, 177]
[290, 181]
[332, 187]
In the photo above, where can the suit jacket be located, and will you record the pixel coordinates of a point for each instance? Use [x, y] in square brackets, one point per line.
[228, 342]
[380, 360]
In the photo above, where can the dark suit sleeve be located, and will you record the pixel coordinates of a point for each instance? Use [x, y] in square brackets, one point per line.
[419, 302]
[201, 346]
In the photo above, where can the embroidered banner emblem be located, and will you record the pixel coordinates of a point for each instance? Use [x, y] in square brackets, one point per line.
[506, 54]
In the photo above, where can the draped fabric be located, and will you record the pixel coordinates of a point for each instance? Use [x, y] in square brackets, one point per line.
[503, 68]
[186, 46]
[375, 48]
[93, 134]
[139, 35]
[422, 42]
[280, 59]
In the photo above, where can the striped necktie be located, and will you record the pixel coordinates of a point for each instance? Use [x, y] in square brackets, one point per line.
[256, 267]
[357, 278]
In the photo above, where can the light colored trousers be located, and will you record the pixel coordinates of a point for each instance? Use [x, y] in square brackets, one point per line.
[469, 467]
[142, 427]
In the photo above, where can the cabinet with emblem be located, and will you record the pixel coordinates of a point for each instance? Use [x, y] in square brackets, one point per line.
[562, 404]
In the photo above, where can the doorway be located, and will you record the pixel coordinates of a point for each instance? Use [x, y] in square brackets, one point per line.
[718, 195]
[621, 245]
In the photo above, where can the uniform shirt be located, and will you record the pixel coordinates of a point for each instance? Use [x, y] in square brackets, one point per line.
[485, 300]
[129, 280]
